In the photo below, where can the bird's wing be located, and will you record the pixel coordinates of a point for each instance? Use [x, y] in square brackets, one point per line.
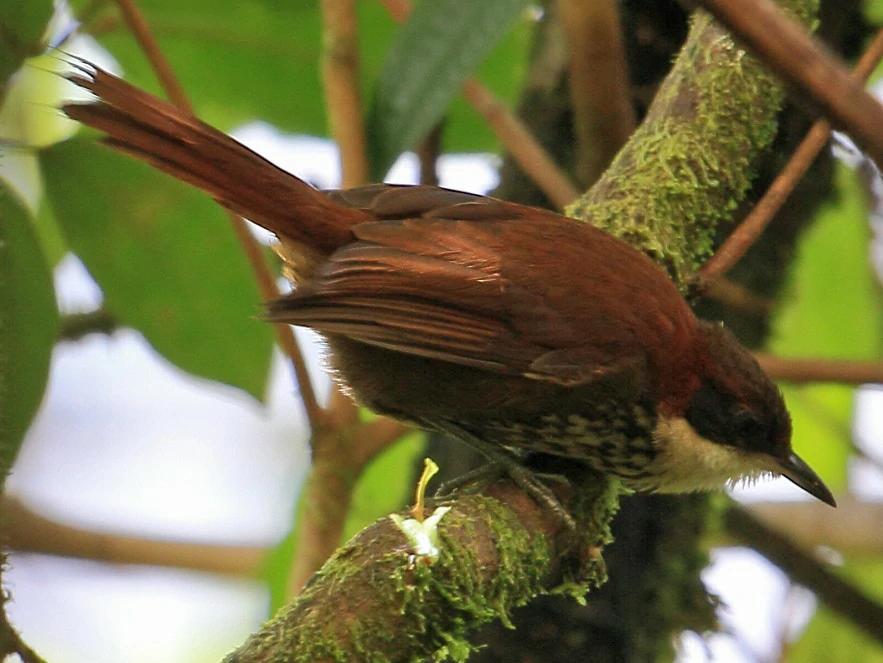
[438, 286]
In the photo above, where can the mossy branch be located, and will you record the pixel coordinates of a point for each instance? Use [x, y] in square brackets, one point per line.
[690, 163]
[382, 598]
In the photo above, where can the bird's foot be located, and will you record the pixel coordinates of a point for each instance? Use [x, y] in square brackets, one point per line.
[505, 463]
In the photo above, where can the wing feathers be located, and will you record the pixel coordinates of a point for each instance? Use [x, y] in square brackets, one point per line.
[404, 325]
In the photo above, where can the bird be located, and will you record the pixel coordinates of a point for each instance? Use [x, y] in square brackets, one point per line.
[512, 328]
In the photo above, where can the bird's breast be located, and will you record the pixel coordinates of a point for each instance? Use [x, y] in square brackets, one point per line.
[612, 437]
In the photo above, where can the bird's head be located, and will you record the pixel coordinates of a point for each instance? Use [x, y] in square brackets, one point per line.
[735, 428]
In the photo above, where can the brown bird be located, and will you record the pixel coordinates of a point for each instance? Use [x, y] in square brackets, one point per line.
[507, 326]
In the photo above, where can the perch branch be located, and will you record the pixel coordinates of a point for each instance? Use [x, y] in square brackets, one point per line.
[382, 597]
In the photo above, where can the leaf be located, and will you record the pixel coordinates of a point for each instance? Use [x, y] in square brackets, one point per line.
[22, 23]
[28, 326]
[29, 114]
[835, 312]
[166, 260]
[244, 61]
[440, 46]
[237, 61]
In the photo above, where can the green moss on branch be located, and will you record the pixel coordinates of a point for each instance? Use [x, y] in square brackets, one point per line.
[379, 599]
[691, 161]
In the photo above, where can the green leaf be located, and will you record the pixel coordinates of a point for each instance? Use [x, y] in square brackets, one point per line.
[237, 61]
[22, 23]
[244, 61]
[49, 234]
[441, 45]
[835, 312]
[874, 11]
[28, 325]
[166, 260]
[29, 114]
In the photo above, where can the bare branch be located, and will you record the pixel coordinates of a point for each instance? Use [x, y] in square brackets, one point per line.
[839, 595]
[340, 76]
[599, 83]
[789, 369]
[27, 531]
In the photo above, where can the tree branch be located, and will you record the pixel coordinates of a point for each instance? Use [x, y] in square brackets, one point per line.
[74, 326]
[838, 594]
[599, 83]
[27, 531]
[696, 172]
[793, 53]
[800, 371]
[758, 219]
[383, 596]
[854, 528]
[340, 77]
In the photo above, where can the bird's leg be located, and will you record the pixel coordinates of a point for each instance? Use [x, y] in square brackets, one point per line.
[503, 461]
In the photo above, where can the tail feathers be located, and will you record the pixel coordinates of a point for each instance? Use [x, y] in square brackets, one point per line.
[183, 146]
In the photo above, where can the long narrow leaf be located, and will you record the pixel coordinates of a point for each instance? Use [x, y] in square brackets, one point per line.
[439, 47]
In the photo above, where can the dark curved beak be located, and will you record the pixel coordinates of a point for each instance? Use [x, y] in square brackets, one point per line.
[801, 475]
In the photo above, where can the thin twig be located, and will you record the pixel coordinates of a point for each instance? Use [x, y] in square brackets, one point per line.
[511, 132]
[11, 643]
[758, 219]
[790, 51]
[854, 528]
[525, 150]
[738, 296]
[27, 531]
[801, 371]
[599, 84]
[74, 326]
[838, 594]
[262, 273]
[428, 152]
[344, 445]
[161, 66]
[340, 76]
[340, 82]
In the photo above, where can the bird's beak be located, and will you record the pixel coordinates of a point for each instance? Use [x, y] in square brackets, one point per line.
[801, 475]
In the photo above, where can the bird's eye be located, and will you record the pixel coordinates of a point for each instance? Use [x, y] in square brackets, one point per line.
[747, 424]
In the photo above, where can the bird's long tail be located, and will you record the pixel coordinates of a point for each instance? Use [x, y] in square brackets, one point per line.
[183, 146]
